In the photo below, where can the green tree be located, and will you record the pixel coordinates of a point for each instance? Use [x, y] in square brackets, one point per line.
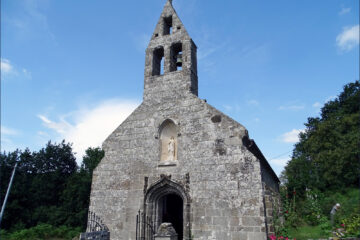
[39, 181]
[327, 155]
[91, 159]
[48, 187]
[75, 197]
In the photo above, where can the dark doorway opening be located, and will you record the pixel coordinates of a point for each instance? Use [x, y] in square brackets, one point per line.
[171, 210]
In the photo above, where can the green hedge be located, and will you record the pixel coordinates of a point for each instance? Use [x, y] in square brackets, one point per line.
[42, 231]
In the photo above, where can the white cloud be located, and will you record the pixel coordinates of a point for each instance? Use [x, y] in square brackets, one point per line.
[90, 126]
[60, 127]
[292, 107]
[6, 67]
[41, 133]
[8, 131]
[281, 162]
[348, 38]
[7, 136]
[317, 105]
[331, 98]
[9, 70]
[292, 136]
[32, 21]
[344, 11]
[278, 164]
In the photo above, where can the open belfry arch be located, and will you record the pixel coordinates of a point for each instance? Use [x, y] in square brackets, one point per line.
[176, 160]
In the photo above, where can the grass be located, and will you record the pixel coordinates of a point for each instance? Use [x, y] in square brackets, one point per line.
[308, 232]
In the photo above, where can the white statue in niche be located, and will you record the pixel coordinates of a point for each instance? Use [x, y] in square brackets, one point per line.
[171, 149]
[168, 142]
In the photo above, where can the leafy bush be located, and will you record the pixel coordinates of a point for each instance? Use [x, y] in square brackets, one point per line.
[42, 231]
[4, 234]
[352, 225]
[348, 198]
[311, 209]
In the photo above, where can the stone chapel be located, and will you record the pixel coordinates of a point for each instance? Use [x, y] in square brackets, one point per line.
[178, 160]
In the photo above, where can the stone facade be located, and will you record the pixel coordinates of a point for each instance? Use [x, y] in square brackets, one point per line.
[176, 157]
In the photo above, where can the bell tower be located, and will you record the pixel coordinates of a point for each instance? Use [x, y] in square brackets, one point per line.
[170, 61]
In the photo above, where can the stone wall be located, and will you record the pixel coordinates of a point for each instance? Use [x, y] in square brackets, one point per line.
[225, 187]
[272, 201]
[272, 206]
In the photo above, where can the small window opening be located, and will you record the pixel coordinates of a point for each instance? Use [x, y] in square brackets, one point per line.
[162, 66]
[176, 57]
[216, 119]
[168, 25]
[178, 28]
[156, 34]
[158, 61]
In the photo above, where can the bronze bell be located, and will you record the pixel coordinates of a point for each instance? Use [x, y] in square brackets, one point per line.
[179, 60]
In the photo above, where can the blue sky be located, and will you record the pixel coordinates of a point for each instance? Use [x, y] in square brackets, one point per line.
[74, 69]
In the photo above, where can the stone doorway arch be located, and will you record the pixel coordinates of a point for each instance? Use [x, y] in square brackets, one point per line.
[168, 201]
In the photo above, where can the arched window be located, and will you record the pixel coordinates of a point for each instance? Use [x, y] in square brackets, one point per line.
[158, 61]
[176, 59]
[168, 25]
[168, 141]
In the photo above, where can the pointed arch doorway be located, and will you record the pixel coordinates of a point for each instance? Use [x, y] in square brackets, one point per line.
[167, 201]
[170, 209]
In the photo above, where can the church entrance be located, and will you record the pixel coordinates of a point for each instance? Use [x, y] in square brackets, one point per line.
[170, 209]
[166, 201]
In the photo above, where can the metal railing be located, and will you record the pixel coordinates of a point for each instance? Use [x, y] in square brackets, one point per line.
[96, 229]
[95, 223]
[145, 229]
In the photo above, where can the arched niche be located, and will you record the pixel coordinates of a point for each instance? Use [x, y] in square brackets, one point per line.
[168, 141]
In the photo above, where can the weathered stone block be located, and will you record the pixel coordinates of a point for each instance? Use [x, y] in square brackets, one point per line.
[251, 221]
